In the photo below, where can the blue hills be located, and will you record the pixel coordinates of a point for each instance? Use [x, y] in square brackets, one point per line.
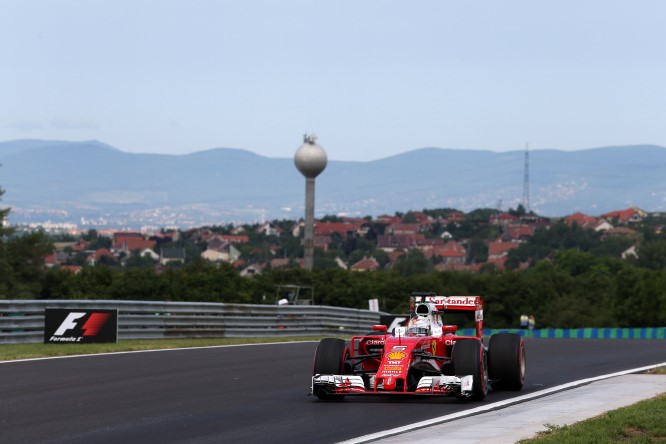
[91, 183]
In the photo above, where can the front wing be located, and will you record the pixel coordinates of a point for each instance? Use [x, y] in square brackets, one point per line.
[460, 386]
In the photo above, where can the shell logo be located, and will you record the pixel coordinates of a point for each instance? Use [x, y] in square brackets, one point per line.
[396, 356]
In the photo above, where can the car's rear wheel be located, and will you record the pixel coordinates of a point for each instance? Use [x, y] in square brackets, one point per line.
[506, 360]
[469, 358]
[330, 360]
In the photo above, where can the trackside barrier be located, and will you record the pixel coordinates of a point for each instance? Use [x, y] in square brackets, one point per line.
[22, 321]
[580, 333]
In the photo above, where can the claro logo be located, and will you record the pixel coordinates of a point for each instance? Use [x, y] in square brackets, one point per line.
[81, 326]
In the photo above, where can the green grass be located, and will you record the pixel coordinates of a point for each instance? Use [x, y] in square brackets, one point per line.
[642, 422]
[657, 371]
[10, 352]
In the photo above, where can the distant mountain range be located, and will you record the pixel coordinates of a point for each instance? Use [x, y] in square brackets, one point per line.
[95, 185]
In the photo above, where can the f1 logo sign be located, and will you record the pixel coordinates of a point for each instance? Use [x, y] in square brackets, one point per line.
[62, 325]
[393, 321]
[68, 323]
[92, 326]
[397, 322]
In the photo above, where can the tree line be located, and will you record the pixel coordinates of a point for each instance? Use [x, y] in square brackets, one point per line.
[573, 289]
[565, 276]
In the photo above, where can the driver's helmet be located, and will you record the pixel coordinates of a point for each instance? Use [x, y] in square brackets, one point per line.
[418, 327]
[421, 324]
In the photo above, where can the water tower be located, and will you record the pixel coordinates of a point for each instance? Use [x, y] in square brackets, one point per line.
[310, 159]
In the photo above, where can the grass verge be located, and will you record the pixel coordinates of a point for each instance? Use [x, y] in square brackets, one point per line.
[657, 371]
[642, 422]
[10, 352]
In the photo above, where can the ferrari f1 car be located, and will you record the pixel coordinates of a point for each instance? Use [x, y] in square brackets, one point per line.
[426, 357]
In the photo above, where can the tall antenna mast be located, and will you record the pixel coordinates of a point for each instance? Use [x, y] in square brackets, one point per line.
[526, 180]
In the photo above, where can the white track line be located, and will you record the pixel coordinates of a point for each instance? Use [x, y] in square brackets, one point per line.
[493, 406]
[150, 351]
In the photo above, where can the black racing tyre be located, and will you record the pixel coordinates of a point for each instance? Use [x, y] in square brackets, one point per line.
[330, 360]
[506, 361]
[469, 358]
[330, 357]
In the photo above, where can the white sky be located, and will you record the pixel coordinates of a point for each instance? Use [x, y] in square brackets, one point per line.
[372, 78]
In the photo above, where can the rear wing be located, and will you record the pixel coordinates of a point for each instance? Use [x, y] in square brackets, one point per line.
[451, 304]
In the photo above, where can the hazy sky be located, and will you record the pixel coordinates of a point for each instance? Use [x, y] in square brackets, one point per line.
[371, 78]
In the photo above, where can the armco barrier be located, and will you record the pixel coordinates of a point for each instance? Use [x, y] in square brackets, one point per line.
[22, 321]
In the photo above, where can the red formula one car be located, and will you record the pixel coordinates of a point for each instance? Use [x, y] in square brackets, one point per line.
[426, 357]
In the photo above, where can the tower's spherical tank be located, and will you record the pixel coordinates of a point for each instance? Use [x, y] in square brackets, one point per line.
[310, 158]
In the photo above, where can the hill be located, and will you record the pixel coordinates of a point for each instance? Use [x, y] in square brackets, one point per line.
[93, 184]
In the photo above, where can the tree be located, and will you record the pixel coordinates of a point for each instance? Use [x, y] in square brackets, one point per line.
[520, 211]
[137, 261]
[546, 242]
[140, 284]
[414, 262]
[94, 283]
[573, 262]
[612, 246]
[59, 284]
[480, 215]
[382, 257]
[95, 241]
[652, 255]
[25, 254]
[331, 218]
[409, 218]
[322, 261]
[477, 251]
[439, 213]
[6, 274]
[21, 260]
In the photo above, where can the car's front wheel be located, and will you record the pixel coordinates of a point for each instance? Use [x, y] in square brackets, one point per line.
[469, 358]
[329, 359]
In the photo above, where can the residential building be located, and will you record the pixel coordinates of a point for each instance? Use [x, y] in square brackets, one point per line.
[365, 264]
[174, 254]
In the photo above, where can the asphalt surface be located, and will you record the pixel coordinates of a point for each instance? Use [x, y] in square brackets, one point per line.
[248, 393]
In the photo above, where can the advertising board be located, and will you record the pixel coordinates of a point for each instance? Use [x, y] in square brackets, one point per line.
[63, 325]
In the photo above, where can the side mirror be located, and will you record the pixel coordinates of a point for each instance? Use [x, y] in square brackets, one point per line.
[381, 328]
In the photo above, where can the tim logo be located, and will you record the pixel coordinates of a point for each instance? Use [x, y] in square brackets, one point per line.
[80, 326]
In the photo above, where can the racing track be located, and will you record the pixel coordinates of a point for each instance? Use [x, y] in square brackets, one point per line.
[245, 394]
